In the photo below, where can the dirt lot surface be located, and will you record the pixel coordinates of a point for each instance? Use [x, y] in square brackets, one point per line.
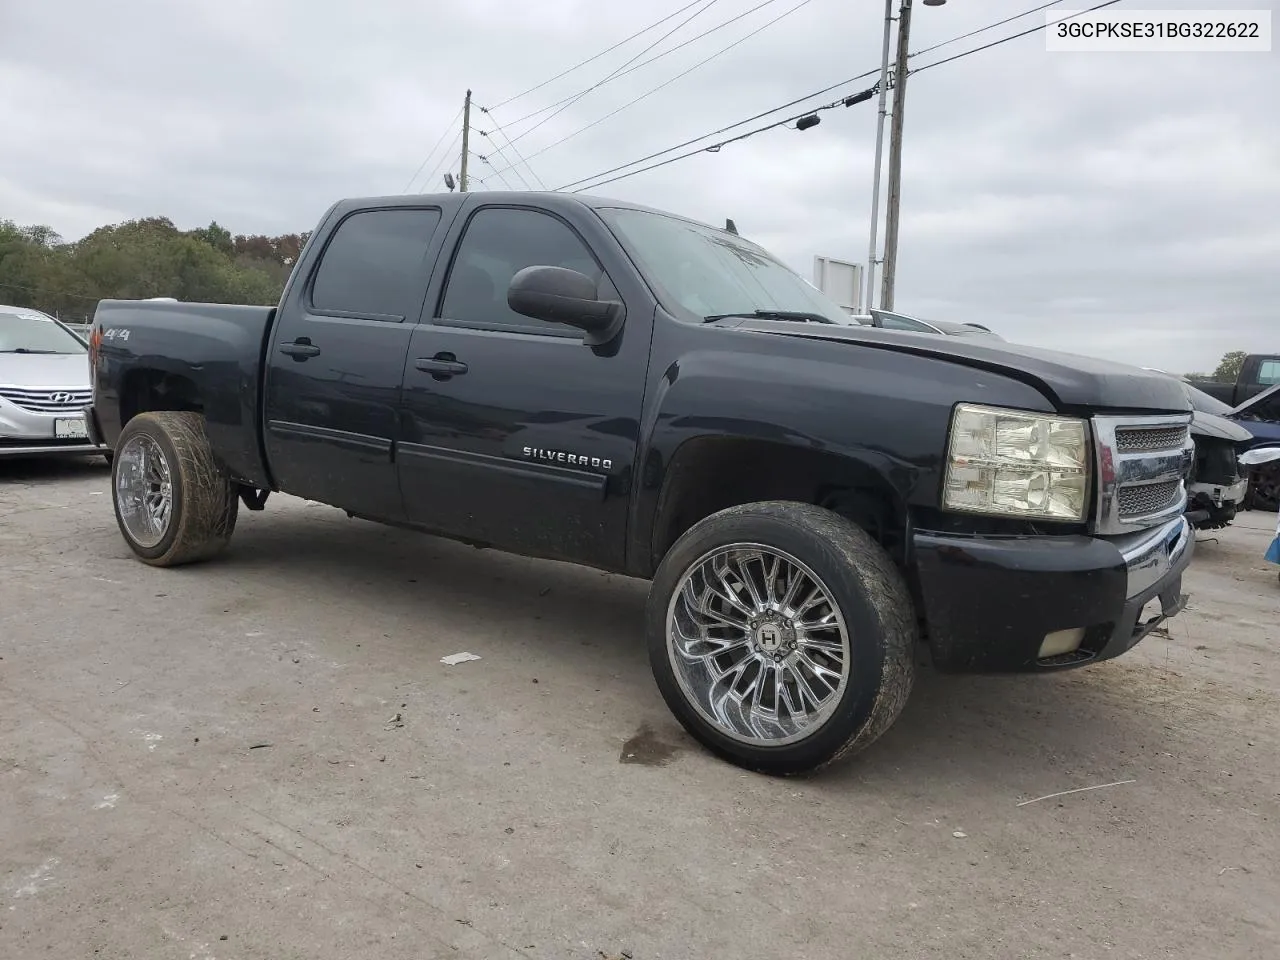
[263, 757]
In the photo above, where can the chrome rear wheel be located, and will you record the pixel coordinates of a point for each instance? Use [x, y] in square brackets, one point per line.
[144, 490]
[173, 501]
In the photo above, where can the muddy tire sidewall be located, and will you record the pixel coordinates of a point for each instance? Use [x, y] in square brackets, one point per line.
[204, 502]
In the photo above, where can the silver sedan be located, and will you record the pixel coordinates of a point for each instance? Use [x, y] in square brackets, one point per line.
[44, 387]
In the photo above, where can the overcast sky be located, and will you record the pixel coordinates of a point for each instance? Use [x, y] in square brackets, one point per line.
[1122, 205]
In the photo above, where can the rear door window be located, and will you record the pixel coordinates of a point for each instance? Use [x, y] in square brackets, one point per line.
[374, 265]
[1269, 372]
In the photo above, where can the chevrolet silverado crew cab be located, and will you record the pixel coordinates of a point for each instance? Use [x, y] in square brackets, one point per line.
[600, 383]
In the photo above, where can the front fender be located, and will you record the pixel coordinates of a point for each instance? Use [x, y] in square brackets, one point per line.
[881, 416]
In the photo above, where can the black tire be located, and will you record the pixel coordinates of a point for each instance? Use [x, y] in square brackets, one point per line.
[1264, 488]
[874, 602]
[204, 502]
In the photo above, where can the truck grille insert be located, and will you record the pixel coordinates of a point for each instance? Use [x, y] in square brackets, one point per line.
[47, 401]
[1148, 439]
[1148, 498]
[1142, 463]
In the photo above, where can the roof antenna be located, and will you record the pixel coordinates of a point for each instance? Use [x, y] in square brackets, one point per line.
[731, 227]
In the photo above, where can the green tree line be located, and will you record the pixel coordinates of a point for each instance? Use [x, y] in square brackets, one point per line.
[138, 259]
[1227, 370]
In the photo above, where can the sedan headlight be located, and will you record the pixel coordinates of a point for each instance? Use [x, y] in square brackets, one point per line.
[1018, 464]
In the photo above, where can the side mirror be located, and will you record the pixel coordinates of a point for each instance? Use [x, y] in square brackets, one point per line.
[560, 295]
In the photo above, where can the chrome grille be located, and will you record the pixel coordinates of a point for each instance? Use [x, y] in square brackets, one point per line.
[47, 401]
[1150, 438]
[1142, 464]
[1148, 498]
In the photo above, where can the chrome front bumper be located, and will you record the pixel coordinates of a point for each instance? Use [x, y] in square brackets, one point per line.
[1154, 562]
[1155, 555]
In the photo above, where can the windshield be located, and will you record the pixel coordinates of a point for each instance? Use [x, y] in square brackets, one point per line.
[1202, 402]
[712, 273]
[33, 333]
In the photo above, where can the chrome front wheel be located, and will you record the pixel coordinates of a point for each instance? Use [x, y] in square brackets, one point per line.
[781, 635]
[758, 644]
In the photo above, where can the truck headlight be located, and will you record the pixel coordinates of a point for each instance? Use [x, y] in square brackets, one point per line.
[1017, 463]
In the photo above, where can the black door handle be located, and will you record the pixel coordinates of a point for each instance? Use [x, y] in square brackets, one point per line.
[441, 366]
[300, 349]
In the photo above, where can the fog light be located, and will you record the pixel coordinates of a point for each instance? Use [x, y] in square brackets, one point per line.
[1061, 641]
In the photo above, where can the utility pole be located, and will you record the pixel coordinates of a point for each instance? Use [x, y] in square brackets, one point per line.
[466, 143]
[875, 177]
[895, 161]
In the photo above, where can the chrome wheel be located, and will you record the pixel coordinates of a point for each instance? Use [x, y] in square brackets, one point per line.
[758, 644]
[144, 490]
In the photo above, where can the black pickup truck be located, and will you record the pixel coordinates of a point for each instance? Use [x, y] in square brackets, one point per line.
[1258, 372]
[610, 385]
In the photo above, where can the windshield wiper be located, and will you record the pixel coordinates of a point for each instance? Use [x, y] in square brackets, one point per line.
[801, 315]
[27, 350]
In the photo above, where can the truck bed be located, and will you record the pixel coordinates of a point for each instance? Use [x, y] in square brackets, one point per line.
[221, 348]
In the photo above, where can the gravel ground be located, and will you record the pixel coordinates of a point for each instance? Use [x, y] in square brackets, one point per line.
[263, 757]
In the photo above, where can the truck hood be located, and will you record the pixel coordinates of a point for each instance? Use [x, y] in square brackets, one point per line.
[1220, 428]
[1069, 381]
[45, 371]
[1255, 400]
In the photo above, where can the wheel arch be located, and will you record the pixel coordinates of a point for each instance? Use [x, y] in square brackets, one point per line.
[709, 474]
[152, 389]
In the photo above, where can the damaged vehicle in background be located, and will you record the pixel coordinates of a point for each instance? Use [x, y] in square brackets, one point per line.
[1219, 486]
[1258, 372]
[1260, 415]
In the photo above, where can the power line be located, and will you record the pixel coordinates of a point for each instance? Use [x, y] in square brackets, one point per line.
[514, 149]
[625, 69]
[431, 152]
[1012, 36]
[551, 116]
[715, 147]
[667, 83]
[989, 26]
[856, 98]
[483, 158]
[498, 173]
[457, 137]
[725, 129]
[583, 63]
